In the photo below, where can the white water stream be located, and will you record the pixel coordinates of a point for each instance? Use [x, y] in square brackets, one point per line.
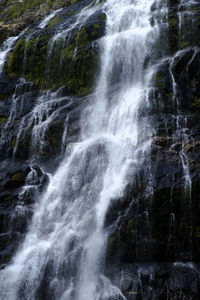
[46, 21]
[7, 46]
[66, 237]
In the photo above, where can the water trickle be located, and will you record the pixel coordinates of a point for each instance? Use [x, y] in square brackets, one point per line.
[6, 48]
[46, 21]
[181, 135]
[187, 20]
[63, 251]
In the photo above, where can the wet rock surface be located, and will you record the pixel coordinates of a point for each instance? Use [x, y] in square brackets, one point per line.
[19, 185]
[158, 281]
[157, 220]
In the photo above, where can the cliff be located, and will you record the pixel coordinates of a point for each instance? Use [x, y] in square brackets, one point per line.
[47, 80]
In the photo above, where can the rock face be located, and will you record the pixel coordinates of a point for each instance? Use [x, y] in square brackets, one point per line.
[36, 124]
[47, 79]
[19, 183]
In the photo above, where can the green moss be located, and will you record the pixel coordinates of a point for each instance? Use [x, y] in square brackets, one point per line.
[102, 16]
[71, 13]
[159, 80]
[74, 65]
[35, 64]
[81, 74]
[173, 21]
[6, 198]
[53, 140]
[82, 37]
[18, 176]
[112, 240]
[68, 52]
[184, 44]
[13, 142]
[14, 66]
[3, 120]
[96, 26]
[14, 11]
[33, 67]
[129, 225]
[54, 21]
[4, 34]
[160, 84]
[160, 76]
[5, 96]
[197, 233]
[196, 101]
[50, 3]
[74, 1]
[2, 188]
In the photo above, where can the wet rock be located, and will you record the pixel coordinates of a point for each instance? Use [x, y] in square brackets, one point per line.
[158, 281]
[19, 185]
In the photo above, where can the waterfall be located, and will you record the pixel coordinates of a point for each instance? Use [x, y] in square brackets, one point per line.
[7, 46]
[62, 256]
[45, 22]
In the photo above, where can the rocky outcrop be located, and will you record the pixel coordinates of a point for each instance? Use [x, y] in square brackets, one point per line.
[51, 60]
[16, 15]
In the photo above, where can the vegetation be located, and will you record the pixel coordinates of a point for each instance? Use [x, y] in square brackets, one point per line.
[16, 9]
[73, 64]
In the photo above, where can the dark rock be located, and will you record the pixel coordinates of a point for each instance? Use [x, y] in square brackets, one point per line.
[16, 203]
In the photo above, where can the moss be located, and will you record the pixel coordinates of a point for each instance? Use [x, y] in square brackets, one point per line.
[2, 188]
[160, 75]
[53, 140]
[68, 52]
[53, 137]
[14, 65]
[96, 26]
[5, 96]
[196, 101]
[4, 34]
[173, 30]
[54, 21]
[35, 60]
[173, 21]
[112, 239]
[197, 233]
[80, 76]
[13, 142]
[102, 16]
[81, 37]
[74, 1]
[3, 120]
[73, 65]
[129, 225]
[50, 4]
[184, 44]
[18, 176]
[6, 198]
[14, 11]
[159, 80]
[71, 13]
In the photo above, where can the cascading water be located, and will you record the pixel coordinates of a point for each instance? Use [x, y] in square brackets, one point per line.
[45, 22]
[62, 256]
[7, 46]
